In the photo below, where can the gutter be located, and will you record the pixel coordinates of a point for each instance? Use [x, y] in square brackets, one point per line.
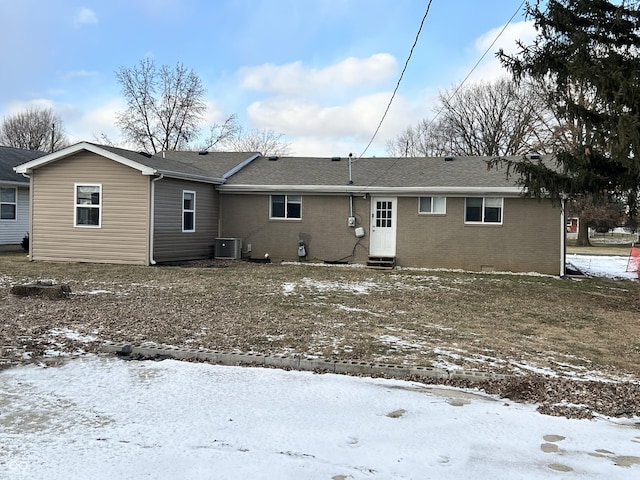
[152, 211]
[360, 190]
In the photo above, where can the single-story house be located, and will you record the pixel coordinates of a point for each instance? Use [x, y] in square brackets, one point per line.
[94, 203]
[420, 212]
[103, 204]
[14, 195]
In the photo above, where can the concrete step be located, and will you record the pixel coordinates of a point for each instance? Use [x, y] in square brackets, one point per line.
[381, 263]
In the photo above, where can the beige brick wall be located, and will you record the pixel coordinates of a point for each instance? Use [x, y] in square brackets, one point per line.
[527, 240]
[323, 227]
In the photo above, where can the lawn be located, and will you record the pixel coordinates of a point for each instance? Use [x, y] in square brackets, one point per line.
[490, 322]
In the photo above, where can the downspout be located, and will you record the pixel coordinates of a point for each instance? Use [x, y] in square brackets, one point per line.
[563, 237]
[152, 212]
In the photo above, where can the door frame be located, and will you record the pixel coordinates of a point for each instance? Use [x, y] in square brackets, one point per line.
[379, 246]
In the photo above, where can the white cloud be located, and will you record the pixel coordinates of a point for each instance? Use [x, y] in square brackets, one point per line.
[84, 16]
[77, 74]
[88, 124]
[328, 130]
[293, 116]
[295, 78]
[491, 68]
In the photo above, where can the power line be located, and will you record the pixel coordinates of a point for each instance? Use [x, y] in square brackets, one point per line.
[406, 64]
[455, 92]
[451, 96]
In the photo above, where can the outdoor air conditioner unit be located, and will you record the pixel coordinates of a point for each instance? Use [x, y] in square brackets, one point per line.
[228, 248]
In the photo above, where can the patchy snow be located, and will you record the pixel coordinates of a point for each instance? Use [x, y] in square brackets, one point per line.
[611, 266]
[359, 288]
[105, 418]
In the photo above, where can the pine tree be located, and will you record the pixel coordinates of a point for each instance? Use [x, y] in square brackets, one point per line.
[589, 51]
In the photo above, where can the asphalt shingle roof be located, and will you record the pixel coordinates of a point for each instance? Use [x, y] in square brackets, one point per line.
[211, 165]
[375, 171]
[11, 157]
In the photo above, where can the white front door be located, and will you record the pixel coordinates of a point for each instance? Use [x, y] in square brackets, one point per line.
[383, 227]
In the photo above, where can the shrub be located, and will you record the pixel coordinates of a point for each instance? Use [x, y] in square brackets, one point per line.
[25, 243]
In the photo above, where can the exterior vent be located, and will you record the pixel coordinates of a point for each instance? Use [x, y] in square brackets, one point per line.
[273, 159]
[145, 154]
[534, 156]
[203, 152]
[228, 248]
[449, 158]
[335, 159]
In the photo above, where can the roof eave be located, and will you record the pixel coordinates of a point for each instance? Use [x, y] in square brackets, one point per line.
[372, 190]
[14, 183]
[28, 167]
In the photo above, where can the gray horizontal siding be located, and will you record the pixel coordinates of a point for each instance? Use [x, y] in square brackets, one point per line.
[170, 243]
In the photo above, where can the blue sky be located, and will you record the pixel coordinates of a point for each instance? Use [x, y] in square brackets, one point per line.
[319, 71]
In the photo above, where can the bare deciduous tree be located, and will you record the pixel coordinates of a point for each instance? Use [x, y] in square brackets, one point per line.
[164, 105]
[482, 119]
[33, 129]
[267, 142]
[221, 133]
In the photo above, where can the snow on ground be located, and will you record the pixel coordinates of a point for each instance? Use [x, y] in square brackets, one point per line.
[105, 418]
[611, 266]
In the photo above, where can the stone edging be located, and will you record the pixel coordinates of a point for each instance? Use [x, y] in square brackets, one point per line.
[296, 362]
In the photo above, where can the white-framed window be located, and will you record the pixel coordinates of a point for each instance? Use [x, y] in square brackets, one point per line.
[483, 210]
[188, 211]
[8, 203]
[88, 205]
[433, 205]
[286, 206]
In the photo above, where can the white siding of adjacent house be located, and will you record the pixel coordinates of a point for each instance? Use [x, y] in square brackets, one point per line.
[13, 231]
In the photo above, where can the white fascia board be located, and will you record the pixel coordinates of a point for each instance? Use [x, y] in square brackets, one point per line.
[191, 178]
[78, 147]
[372, 190]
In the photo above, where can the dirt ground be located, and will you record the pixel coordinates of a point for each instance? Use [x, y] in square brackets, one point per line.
[572, 346]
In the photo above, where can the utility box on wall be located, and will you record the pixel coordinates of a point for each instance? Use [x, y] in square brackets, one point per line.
[228, 248]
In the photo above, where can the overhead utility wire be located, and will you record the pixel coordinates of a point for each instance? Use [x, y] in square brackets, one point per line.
[406, 64]
[455, 92]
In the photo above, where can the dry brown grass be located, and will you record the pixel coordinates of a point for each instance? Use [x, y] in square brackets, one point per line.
[491, 322]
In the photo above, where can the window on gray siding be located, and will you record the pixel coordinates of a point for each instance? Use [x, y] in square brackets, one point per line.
[483, 209]
[88, 205]
[188, 211]
[8, 203]
[286, 206]
[432, 205]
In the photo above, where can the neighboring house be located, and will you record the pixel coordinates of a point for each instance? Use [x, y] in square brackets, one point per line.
[419, 212]
[93, 203]
[14, 195]
[101, 204]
